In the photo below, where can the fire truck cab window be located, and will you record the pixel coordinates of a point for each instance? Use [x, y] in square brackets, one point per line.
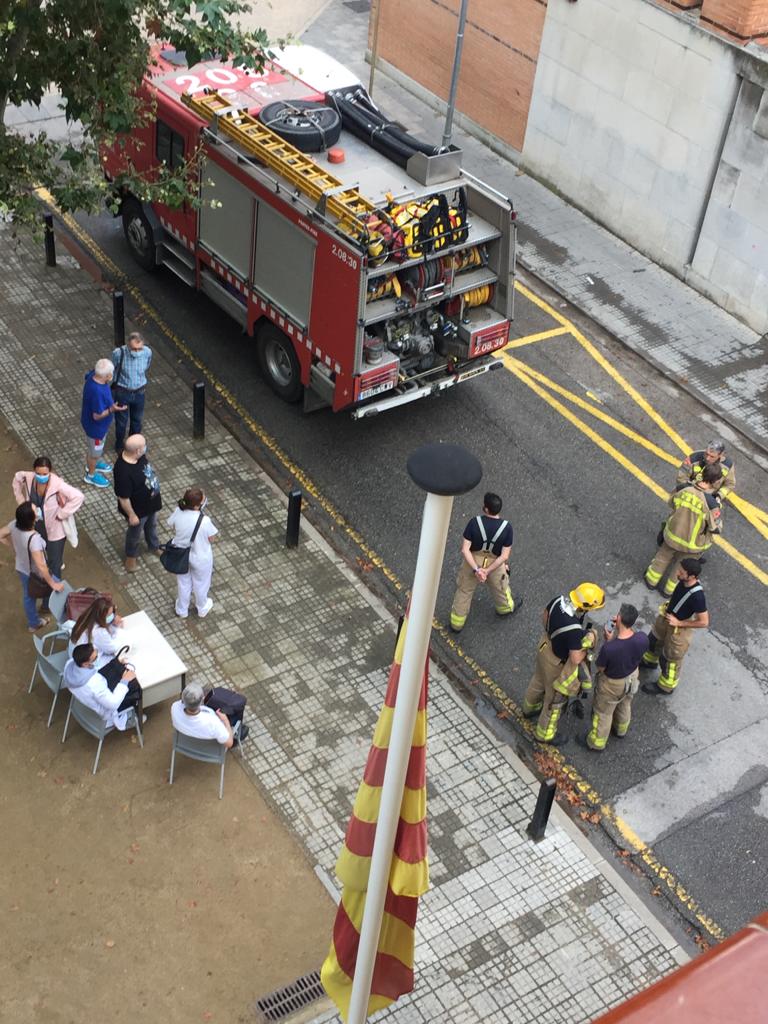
[170, 147]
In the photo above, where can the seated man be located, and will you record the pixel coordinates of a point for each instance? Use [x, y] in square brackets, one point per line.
[191, 717]
[117, 705]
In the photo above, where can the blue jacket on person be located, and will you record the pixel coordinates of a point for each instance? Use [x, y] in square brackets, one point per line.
[96, 398]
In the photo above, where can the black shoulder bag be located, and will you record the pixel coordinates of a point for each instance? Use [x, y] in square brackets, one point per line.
[118, 370]
[36, 585]
[176, 560]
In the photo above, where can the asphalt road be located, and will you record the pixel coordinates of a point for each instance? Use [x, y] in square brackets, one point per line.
[690, 779]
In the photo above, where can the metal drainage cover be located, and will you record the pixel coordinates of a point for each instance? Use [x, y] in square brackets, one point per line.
[293, 997]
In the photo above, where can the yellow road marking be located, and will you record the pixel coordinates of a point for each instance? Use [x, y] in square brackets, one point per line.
[529, 339]
[586, 790]
[521, 372]
[754, 515]
[609, 368]
[598, 413]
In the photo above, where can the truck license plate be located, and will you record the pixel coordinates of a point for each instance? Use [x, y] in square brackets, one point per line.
[370, 392]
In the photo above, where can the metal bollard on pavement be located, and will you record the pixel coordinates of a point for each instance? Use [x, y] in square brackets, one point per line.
[118, 317]
[538, 823]
[198, 410]
[294, 518]
[50, 241]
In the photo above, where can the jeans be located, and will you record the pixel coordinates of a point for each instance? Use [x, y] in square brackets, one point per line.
[134, 413]
[133, 534]
[30, 603]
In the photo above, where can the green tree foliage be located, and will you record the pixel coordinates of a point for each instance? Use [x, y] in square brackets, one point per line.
[93, 54]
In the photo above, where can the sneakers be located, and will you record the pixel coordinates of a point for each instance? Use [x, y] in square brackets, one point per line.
[181, 615]
[103, 467]
[202, 612]
[96, 480]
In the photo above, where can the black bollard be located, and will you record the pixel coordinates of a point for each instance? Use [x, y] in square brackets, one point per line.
[294, 517]
[198, 410]
[538, 823]
[50, 241]
[118, 317]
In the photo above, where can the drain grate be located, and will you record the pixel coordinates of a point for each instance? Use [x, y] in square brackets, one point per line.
[300, 993]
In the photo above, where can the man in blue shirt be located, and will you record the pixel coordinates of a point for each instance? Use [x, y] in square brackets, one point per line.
[96, 414]
[132, 362]
[617, 677]
[485, 552]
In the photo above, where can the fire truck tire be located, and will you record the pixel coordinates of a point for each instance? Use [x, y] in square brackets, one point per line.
[139, 235]
[279, 363]
[309, 126]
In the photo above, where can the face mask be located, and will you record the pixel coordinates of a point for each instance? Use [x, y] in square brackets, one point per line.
[42, 479]
[134, 351]
[110, 617]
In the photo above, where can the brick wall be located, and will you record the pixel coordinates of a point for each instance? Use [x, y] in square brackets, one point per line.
[501, 46]
[744, 18]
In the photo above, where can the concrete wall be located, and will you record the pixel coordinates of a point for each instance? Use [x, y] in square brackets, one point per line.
[631, 106]
[501, 44]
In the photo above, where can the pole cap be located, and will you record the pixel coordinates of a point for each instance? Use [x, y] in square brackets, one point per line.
[446, 469]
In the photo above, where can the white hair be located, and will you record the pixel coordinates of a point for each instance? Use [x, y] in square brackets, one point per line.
[104, 368]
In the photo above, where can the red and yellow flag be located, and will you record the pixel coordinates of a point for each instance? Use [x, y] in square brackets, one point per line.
[409, 871]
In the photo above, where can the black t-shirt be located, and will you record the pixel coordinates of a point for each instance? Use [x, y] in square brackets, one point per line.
[570, 639]
[692, 598]
[137, 481]
[490, 524]
[619, 658]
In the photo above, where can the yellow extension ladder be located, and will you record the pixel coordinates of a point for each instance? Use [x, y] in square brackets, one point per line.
[269, 148]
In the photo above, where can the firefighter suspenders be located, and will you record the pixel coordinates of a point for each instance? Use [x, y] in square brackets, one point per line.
[488, 544]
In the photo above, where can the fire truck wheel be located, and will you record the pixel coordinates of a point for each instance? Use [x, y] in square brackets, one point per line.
[139, 235]
[278, 363]
[309, 126]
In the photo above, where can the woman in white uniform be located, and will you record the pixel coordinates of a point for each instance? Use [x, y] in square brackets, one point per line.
[198, 580]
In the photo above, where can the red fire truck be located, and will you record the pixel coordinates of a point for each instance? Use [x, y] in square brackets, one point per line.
[370, 268]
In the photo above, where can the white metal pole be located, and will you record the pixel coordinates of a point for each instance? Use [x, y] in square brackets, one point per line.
[454, 88]
[429, 563]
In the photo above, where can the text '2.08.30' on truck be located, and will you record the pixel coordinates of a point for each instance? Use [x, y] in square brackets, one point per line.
[371, 269]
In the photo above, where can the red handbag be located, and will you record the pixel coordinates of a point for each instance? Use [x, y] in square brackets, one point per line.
[79, 600]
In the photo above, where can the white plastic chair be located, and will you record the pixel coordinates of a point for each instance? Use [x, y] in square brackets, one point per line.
[210, 751]
[50, 667]
[95, 725]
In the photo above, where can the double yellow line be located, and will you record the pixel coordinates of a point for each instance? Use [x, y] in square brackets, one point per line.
[544, 387]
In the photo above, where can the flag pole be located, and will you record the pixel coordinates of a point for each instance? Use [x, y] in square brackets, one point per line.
[443, 471]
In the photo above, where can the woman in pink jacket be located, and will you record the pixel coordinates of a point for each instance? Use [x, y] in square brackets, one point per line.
[53, 501]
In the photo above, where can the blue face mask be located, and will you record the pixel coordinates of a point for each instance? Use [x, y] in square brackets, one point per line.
[110, 618]
[42, 479]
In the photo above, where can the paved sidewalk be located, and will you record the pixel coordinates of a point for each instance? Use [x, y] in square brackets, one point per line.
[510, 931]
[687, 337]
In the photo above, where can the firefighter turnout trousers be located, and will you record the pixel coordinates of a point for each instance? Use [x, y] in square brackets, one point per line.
[666, 562]
[466, 584]
[612, 706]
[552, 683]
[668, 647]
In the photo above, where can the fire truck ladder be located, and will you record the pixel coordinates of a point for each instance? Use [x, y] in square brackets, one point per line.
[269, 148]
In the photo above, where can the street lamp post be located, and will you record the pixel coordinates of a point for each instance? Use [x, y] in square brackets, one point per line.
[443, 471]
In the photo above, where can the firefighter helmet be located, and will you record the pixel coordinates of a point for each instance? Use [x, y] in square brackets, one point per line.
[587, 597]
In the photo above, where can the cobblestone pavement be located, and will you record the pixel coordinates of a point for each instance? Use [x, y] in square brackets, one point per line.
[686, 336]
[510, 931]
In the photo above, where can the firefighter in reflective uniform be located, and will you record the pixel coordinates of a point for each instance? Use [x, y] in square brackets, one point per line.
[485, 553]
[671, 635]
[617, 678]
[693, 466]
[562, 650]
[695, 519]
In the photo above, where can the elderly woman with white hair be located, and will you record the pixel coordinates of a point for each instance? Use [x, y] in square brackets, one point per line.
[98, 411]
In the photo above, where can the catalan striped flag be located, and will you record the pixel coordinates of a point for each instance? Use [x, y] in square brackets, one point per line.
[409, 872]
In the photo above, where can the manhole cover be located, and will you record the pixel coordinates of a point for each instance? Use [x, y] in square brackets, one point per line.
[293, 997]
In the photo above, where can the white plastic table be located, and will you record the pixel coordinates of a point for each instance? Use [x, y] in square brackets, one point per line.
[159, 669]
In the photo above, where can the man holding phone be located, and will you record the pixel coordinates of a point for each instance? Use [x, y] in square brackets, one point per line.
[617, 677]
